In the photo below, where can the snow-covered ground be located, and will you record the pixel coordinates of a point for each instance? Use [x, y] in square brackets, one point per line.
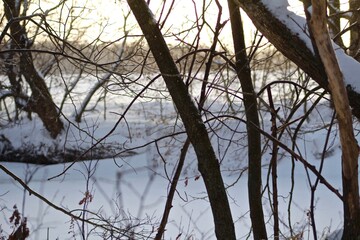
[133, 187]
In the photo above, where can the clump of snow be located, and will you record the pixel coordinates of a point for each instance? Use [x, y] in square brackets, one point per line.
[296, 23]
[349, 67]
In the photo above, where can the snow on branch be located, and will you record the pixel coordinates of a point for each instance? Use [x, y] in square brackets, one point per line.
[298, 26]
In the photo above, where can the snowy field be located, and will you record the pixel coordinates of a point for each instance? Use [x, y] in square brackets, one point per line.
[130, 189]
[142, 194]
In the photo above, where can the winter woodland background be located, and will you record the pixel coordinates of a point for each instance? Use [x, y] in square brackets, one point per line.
[99, 141]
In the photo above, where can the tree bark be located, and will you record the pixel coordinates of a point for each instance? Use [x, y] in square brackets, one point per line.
[350, 149]
[207, 162]
[40, 101]
[254, 139]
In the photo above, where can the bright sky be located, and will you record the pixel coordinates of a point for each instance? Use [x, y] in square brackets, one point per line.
[99, 14]
[111, 13]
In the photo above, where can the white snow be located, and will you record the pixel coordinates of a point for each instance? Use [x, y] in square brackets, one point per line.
[350, 68]
[296, 23]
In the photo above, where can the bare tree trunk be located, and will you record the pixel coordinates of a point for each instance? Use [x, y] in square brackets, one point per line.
[40, 101]
[350, 149]
[207, 162]
[251, 111]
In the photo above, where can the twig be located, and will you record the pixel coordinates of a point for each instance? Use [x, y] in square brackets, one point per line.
[66, 212]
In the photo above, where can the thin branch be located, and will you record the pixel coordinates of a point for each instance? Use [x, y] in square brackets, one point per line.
[54, 206]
